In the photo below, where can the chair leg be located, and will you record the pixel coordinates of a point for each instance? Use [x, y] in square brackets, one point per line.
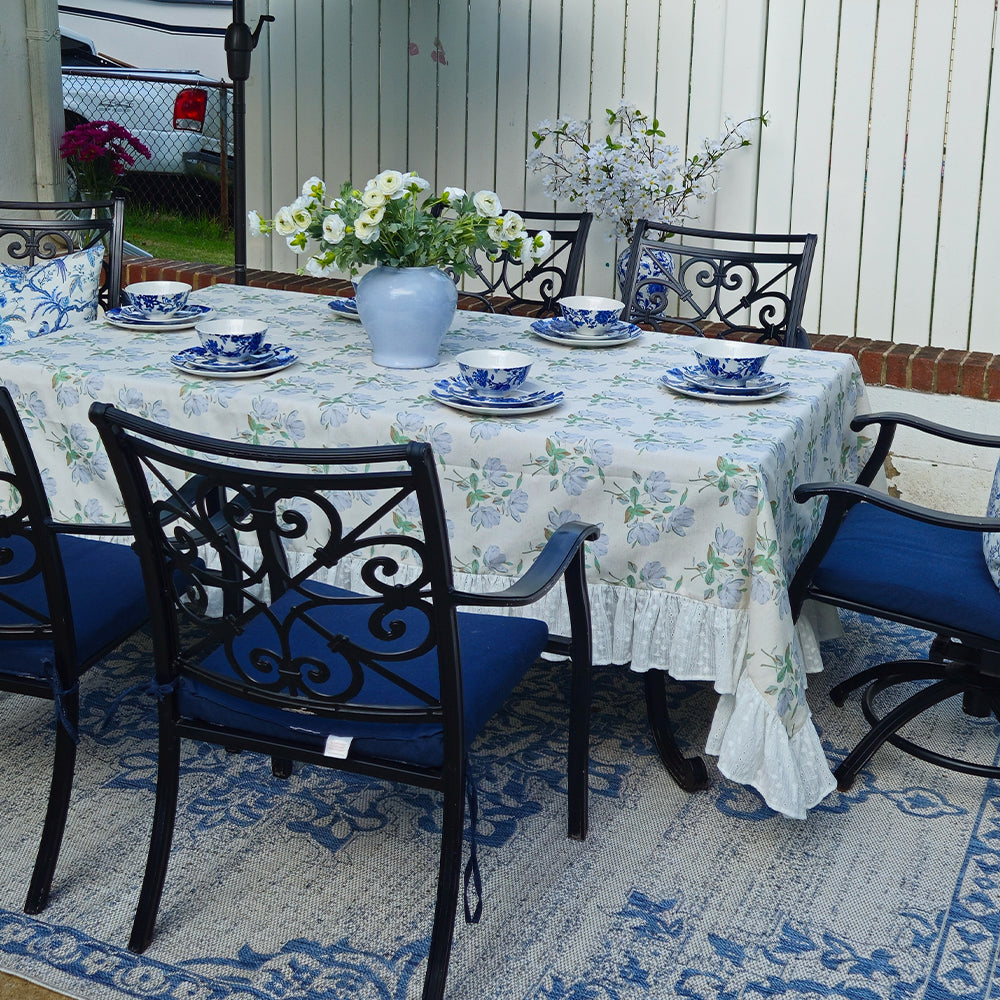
[449, 879]
[63, 765]
[690, 773]
[281, 767]
[167, 779]
[881, 731]
[581, 660]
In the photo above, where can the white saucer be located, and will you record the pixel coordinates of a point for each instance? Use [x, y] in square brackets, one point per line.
[676, 382]
[126, 319]
[553, 330]
[525, 393]
[695, 375]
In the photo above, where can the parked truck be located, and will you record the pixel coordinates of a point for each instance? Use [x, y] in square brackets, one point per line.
[183, 116]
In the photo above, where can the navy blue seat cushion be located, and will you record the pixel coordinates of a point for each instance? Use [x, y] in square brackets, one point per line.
[106, 596]
[935, 574]
[496, 651]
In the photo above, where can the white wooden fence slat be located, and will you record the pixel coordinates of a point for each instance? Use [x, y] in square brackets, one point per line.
[453, 108]
[962, 171]
[845, 199]
[922, 182]
[886, 164]
[393, 101]
[482, 131]
[984, 328]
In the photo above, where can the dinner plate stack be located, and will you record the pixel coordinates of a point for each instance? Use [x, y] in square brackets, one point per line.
[694, 381]
[266, 361]
[129, 318]
[345, 308]
[530, 397]
[561, 331]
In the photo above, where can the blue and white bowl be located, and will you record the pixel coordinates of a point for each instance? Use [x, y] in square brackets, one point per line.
[231, 339]
[591, 313]
[731, 360]
[494, 369]
[157, 299]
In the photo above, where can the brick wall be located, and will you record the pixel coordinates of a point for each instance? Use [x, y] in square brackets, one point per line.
[973, 374]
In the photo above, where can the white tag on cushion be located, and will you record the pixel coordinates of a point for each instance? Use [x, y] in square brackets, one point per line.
[337, 746]
[40, 298]
[991, 539]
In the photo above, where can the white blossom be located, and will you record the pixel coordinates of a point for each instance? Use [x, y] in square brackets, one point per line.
[487, 204]
[333, 229]
[390, 183]
[254, 221]
[284, 224]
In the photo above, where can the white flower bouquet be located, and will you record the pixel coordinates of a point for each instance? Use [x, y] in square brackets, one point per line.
[393, 222]
[631, 172]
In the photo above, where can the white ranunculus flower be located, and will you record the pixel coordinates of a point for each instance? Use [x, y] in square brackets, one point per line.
[372, 198]
[495, 231]
[284, 224]
[513, 226]
[542, 244]
[302, 218]
[487, 203]
[316, 267]
[333, 229]
[337, 204]
[365, 231]
[254, 220]
[451, 194]
[373, 216]
[296, 243]
[390, 183]
[414, 180]
[314, 188]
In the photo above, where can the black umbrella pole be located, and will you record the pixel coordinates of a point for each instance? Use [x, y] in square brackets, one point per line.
[240, 182]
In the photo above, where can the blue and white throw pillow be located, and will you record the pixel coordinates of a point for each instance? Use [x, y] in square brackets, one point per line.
[40, 298]
[991, 539]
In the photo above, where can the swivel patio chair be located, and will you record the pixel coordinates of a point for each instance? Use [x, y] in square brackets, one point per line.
[392, 681]
[702, 281]
[65, 601]
[505, 286]
[32, 232]
[907, 563]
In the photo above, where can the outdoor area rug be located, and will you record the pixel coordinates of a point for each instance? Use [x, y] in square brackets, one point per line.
[322, 886]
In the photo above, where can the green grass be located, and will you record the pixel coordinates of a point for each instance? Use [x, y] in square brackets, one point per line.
[164, 232]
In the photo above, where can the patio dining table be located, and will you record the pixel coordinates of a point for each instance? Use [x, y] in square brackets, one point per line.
[700, 534]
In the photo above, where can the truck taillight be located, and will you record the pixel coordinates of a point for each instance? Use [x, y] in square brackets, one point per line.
[189, 109]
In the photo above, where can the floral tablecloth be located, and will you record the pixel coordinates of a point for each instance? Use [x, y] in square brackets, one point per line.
[700, 534]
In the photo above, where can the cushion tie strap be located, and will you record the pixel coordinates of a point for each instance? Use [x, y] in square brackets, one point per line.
[58, 693]
[472, 865]
[159, 691]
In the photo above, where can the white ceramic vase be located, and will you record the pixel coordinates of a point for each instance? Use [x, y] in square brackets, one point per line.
[406, 311]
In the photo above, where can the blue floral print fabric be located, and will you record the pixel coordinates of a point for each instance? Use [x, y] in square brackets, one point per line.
[38, 299]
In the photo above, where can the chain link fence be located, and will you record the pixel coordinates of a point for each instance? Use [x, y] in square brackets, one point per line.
[185, 119]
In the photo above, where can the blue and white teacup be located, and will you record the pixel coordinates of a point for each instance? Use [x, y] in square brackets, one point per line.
[591, 314]
[157, 299]
[494, 369]
[731, 360]
[231, 339]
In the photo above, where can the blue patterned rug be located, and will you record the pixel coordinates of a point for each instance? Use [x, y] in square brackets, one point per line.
[322, 886]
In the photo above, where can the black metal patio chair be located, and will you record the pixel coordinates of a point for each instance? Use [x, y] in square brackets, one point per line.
[740, 283]
[66, 599]
[392, 681]
[907, 563]
[31, 232]
[505, 286]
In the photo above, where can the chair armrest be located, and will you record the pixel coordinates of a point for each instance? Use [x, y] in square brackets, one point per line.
[543, 573]
[846, 495]
[887, 424]
[69, 528]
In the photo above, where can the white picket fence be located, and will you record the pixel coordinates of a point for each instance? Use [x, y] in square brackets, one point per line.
[863, 97]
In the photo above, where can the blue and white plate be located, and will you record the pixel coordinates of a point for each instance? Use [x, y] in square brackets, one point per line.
[127, 318]
[196, 361]
[676, 381]
[559, 331]
[347, 308]
[764, 382]
[498, 407]
[526, 393]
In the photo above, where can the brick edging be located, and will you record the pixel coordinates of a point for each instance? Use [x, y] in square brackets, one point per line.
[974, 374]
